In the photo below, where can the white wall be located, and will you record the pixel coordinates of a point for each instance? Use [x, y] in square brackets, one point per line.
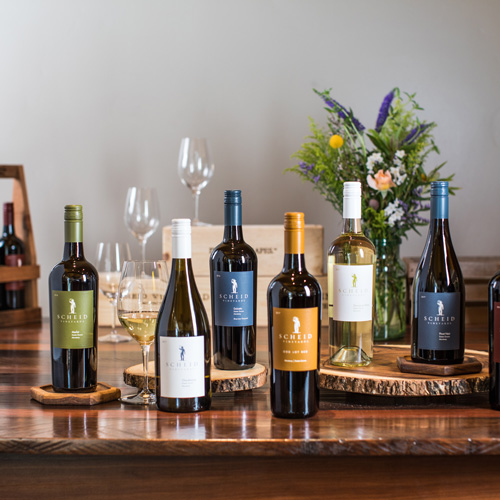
[96, 95]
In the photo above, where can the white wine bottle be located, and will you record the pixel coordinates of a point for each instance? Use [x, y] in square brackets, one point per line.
[73, 289]
[182, 341]
[351, 277]
[438, 315]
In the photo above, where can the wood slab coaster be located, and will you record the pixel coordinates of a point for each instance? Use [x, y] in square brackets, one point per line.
[470, 365]
[222, 380]
[383, 378]
[46, 395]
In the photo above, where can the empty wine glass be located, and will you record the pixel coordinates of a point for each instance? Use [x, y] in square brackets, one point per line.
[195, 169]
[142, 215]
[110, 259]
[140, 294]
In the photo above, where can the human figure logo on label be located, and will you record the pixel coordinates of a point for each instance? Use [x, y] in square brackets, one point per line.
[234, 284]
[72, 305]
[354, 280]
[296, 325]
[183, 352]
[440, 308]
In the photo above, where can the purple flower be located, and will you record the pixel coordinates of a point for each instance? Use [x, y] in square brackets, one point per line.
[343, 113]
[384, 110]
[316, 179]
[415, 133]
[305, 167]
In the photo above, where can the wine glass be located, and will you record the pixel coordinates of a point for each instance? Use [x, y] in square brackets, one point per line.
[140, 294]
[142, 215]
[195, 169]
[110, 259]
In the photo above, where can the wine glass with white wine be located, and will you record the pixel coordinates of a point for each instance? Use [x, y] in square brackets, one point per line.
[195, 168]
[110, 259]
[140, 294]
[142, 214]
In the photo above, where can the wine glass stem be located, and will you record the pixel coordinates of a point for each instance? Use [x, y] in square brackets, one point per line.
[145, 361]
[113, 318]
[143, 248]
[196, 195]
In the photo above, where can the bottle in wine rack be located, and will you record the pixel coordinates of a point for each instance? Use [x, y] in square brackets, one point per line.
[11, 254]
[73, 295]
[494, 339]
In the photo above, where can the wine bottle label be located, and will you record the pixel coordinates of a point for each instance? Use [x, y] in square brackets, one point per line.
[295, 339]
[350, 292]
[496, 332]
[182, 367]
[438, 321]
[73, 319]
[14, 260]
[233, 298]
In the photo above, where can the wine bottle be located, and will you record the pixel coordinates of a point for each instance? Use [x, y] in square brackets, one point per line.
[233, 287]
[438, 315]
[494, 338]
[294, 317]
[73, 295]
[351, 277]
[182, 341]
[11, 254]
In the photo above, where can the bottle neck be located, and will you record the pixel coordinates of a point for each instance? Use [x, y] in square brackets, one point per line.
[181, 247]
[73, 240]
[439, 207]
[294, 250]
[232, 222]
[352, 226]
[8, 222]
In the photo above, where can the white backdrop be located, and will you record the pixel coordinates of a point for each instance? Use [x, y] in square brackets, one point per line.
[95, 96]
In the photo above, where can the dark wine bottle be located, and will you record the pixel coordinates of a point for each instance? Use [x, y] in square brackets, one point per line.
[11, 254]
[294, 317]
[182, 340]
[233, 287]
[494, 337]
[73, 294]
[438, 315]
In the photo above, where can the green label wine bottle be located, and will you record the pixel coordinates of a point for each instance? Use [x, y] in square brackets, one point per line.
[73, 295]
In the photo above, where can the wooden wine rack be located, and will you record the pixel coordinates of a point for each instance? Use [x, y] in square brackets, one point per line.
[30, 272]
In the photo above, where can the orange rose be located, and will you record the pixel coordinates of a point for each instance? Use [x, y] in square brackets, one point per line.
[382, 181]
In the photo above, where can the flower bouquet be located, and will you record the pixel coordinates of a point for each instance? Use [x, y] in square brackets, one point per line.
[389, 161]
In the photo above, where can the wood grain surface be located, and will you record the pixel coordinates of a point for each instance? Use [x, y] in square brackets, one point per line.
[382, 377]
[430, 447]
[222, 380]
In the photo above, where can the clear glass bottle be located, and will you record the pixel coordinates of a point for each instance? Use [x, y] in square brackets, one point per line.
[351, 277]
[182, 340]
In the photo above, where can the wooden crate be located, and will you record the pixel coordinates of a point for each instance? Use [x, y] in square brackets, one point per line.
[477, 272]
[30, 272]
[266, 240]
[203, 284]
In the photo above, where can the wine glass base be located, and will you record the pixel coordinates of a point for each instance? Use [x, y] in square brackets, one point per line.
[115, 338]
[142, 398]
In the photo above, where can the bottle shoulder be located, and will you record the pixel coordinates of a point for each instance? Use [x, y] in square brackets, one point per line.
[233, 252]
[74, 267]
[295, 281]
[349, 242]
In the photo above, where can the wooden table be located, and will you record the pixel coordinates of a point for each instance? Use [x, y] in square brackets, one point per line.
[355, 447]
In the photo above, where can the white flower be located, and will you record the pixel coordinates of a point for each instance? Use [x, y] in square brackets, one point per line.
[398, 175]
[394, 212]
[373, 160]
[400, 154]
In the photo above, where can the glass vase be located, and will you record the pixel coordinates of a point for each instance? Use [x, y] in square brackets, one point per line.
[390, 291]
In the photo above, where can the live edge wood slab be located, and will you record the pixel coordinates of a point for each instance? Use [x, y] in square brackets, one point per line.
[382, 377]
[436, 447]
[222, 380]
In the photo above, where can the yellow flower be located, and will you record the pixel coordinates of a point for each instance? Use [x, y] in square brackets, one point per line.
[336, 141]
